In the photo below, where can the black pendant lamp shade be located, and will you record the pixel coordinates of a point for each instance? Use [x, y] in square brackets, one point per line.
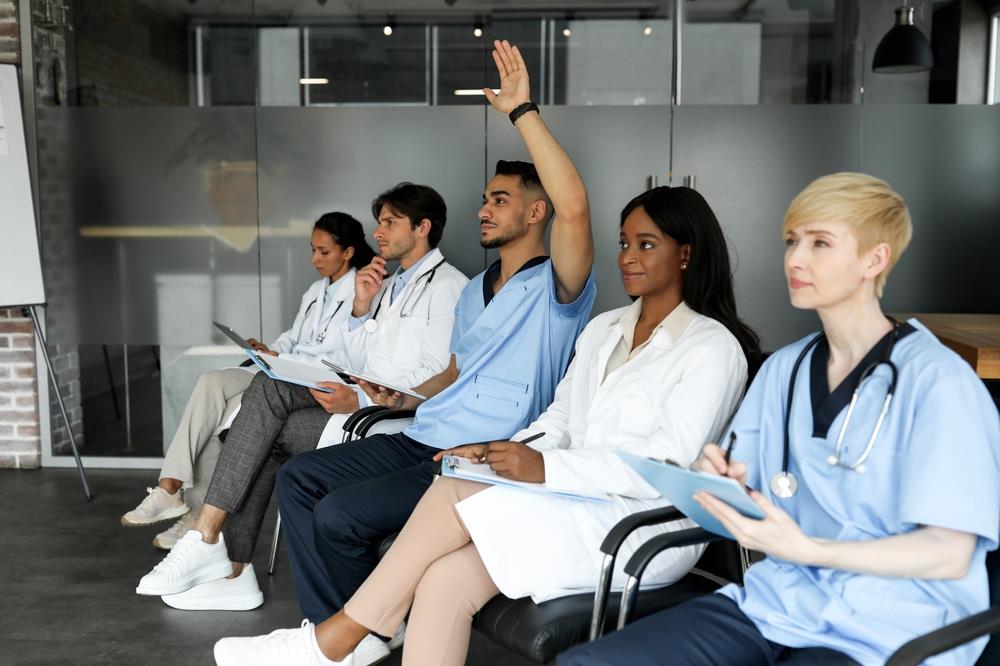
[904, 49]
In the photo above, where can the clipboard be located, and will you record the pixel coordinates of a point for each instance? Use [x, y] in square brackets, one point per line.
[347, 374]
[463, 468]
[678, 485]
[283, 370]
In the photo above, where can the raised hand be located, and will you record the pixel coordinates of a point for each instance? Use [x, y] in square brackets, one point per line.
[515, 88]
[367, 282]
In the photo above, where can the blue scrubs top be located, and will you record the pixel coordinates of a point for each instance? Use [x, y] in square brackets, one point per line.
[511, 353]
[935, 462]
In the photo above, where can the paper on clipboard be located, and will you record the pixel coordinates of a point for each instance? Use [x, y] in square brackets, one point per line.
[291, 372]
[345, 372]
[463, 468]
[678, 485]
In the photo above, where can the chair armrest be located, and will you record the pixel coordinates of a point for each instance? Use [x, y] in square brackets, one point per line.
[357, 416]
[367, 423]
[645, 553]
[947, 637]
[612, 542]
[617, 535]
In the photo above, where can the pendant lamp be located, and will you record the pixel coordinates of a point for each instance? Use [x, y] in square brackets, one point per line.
[904, 49]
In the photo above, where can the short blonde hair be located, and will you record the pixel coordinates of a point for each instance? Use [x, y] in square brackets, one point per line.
[876, 213]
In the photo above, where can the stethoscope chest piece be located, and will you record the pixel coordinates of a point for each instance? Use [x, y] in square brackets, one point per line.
[370, 325]
[784, 485]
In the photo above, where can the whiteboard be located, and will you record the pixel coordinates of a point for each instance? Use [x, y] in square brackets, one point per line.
[20, 266]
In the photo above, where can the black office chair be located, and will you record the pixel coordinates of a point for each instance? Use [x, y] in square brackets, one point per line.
[539, 632]
[952, 635]
[910, 654]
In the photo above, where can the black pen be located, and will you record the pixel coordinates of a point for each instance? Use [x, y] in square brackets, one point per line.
[729, 448]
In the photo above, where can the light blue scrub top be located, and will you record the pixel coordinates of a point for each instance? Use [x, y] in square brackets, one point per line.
[935, 462]
[511, 354]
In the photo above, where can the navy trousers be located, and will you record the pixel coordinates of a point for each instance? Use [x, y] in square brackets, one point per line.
[708, 630]
[338, 503]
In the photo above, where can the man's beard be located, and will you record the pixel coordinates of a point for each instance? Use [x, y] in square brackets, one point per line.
[511, 234]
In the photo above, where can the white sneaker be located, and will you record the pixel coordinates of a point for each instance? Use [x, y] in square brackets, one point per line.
[287, 647]
[158, 505]
[232, 594]
[370, 650]
[397, 638]
[191, 562]
[166, 539]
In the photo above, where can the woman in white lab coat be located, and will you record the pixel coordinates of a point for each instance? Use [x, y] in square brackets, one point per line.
[338, 249]
[658, 378]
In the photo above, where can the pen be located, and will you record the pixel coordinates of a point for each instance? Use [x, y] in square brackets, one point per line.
[729, 447]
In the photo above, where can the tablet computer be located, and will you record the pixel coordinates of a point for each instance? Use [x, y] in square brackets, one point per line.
[232, 335]
[678, 485]
[346, 373]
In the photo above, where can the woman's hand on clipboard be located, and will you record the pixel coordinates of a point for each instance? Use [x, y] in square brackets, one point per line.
[510, 460]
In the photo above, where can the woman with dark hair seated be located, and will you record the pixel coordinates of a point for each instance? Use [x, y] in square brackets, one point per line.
[658, 378]
[878, 513]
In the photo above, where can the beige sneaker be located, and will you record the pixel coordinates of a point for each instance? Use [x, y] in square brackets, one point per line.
[166, 539]
[158, 505]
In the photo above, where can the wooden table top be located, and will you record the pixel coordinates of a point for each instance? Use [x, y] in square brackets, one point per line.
[974, 337]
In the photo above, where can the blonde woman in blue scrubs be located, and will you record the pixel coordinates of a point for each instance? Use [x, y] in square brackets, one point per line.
[863, 553]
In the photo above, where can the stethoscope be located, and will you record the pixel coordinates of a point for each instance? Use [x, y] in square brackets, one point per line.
[371, 325]
[784, 484]
[318, 334]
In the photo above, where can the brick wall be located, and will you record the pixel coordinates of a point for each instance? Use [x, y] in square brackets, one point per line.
[20, 445]
[10, 48]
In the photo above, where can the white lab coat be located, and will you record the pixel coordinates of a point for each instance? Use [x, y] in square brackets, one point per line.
[302, 341]
[411, 342]
[672, 397]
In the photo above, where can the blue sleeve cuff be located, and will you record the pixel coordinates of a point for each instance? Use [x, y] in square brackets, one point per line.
[353, 323]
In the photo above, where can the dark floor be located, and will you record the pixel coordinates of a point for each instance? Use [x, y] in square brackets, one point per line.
[68, 571]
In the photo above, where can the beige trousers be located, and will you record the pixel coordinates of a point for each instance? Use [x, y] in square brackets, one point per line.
[433, 570]
[195, 448]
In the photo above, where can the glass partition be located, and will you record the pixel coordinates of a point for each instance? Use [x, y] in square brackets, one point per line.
[749, 162]
[186, 148]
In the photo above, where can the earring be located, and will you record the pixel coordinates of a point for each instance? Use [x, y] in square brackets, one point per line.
[684, 266]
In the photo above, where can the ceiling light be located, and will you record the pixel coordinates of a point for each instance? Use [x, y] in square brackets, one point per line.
[465, 92]
[390, 25]
[313, 82]
[648, 30]
[567, 32]
[477, 31]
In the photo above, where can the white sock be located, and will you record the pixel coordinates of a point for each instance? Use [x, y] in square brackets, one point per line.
[323, 659]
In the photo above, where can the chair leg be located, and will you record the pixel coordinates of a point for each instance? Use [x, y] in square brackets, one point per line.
[629, 595]
[275, 542]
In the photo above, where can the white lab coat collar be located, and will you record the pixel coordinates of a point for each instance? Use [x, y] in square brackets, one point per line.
[666, 332]
[427, 263]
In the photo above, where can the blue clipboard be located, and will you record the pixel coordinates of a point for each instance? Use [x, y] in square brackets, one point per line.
[678, 485]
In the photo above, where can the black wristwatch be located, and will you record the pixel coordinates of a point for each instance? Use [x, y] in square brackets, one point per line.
[520, 110]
